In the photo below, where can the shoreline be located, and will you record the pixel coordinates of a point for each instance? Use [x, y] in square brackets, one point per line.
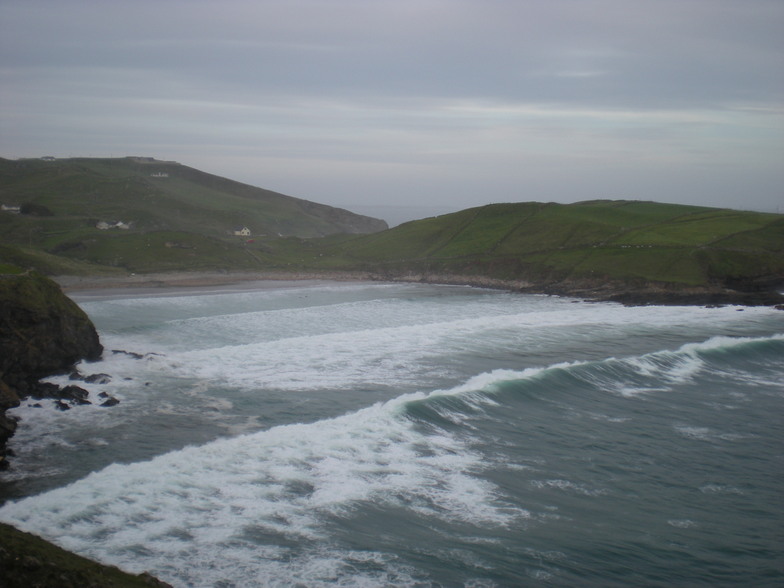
[182, 279]
[652, 294]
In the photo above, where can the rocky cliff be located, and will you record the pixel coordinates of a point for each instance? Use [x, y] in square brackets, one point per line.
[42, 332]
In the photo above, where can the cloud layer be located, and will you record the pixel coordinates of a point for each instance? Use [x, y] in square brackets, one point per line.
[449, 103]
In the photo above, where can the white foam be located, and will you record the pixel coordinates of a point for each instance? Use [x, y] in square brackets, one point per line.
[263, 340]
[720, 489]
[285, 482]
[682, 523]
[694, 432]
[568, 486]
[189, 515]
[631, 392]
[707, 434]
[720, 342]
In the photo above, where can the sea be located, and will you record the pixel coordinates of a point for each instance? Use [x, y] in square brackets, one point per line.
[320, 434]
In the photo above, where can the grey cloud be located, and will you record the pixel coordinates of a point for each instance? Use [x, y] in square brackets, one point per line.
[469, 89]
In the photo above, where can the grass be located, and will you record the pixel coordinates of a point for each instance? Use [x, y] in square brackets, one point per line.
[27, 560]
[599, 240]
[186, 200]
[181, 223]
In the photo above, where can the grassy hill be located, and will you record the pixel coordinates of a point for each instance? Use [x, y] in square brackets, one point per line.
[583, 245]
[158, 203]
[179, 218]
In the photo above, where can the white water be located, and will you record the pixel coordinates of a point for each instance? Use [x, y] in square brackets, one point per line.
[304, 396]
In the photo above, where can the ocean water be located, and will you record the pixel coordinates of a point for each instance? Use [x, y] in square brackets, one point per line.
[369, 434]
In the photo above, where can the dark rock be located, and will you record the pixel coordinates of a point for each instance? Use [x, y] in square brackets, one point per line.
[706, 297]
[103, 395]
[98, 379]
[110, 401]
[43, 390]
[75, 395]
[8, 426]
[8, 399]
[73, 392]
[131, 353]
[7, 429]
[42, 332]
[60, 405]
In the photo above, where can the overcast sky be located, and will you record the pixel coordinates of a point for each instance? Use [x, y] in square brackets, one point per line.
[439, 103]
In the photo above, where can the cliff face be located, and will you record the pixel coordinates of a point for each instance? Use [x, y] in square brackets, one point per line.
[42, 332]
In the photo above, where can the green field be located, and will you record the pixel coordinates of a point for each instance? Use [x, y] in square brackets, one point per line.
[160, 195]
[180, 219]
[627, 241]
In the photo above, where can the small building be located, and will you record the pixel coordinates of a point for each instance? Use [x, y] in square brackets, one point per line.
[241, 231]
[106, 225]
[10, 208]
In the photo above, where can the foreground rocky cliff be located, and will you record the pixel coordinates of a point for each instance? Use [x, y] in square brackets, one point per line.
[27, 561]
[42, 332]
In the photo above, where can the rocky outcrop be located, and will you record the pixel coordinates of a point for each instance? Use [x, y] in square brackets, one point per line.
[42, 332]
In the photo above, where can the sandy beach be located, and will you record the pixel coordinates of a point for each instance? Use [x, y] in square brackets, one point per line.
[198, 281]
[195, 279]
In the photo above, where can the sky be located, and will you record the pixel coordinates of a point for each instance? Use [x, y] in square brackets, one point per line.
[432, 105]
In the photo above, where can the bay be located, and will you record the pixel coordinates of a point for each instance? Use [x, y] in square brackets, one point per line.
[369, 434]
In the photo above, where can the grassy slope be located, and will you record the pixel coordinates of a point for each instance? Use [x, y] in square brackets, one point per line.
[635, 242]
[189, 209]
[187, 200]
[27, 560]
[181, 222]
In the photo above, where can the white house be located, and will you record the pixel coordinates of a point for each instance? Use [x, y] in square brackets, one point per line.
[104, 226]
[242, 232]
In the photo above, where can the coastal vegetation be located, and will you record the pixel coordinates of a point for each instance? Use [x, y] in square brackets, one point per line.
[112, 217]
[587, 244]
[27, 560]
[66, 205]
